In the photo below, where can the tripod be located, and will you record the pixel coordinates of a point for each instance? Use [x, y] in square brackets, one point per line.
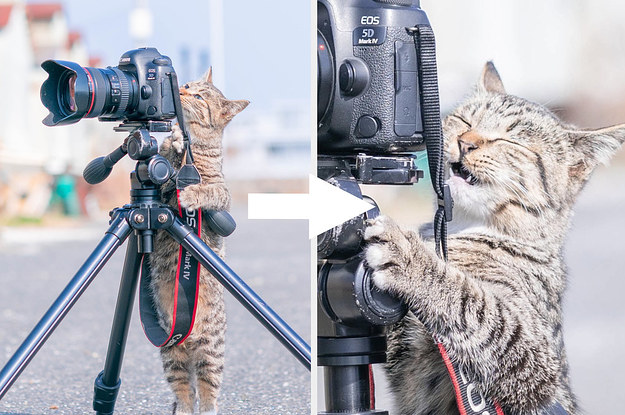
[354, 315]
[137, 222]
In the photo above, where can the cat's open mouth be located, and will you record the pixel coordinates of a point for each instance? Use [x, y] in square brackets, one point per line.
[458, 169]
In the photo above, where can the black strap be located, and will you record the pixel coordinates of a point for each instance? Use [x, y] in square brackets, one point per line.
[470, 401]
[173, 80]
[432, 129]
[185, 295]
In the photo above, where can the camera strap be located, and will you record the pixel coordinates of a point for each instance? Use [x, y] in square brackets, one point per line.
[433, 132]
[173, 81]
[469, 400]
[187, 281]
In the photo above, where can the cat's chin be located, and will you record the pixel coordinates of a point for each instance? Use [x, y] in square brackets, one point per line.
[470, 203]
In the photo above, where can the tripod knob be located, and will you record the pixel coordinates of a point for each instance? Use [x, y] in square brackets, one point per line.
[96, 171]
[220, 222]
[99, 169]
[159, 169]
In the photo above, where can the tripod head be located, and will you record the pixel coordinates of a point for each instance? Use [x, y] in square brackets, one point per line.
[353, 313]
[140, 146]
[351, 304]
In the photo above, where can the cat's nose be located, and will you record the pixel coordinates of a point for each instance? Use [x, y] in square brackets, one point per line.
[466, 147]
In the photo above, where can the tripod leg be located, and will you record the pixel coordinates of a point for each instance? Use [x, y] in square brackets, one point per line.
[115, 236]
[108, 382]
[241, 291]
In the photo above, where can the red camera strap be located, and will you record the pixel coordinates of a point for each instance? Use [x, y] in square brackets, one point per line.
[185, 292]
[470, 400]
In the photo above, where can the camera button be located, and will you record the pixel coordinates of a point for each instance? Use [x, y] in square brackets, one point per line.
[367, 126]
[146, 91]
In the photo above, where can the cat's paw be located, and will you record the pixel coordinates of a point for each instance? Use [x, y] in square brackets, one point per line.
[374, 254]
[208, 409]
[192, 197]
[177, 411]
[177, 139]
[382, 229]
[205, 196]
[387, 252]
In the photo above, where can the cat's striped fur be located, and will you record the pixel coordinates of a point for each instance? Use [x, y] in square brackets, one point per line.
[515, 173]
[194, 368]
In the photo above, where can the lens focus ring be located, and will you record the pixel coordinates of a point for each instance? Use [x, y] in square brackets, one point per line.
[125, 92]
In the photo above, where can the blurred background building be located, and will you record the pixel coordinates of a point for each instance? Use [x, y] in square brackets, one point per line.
[30, 155]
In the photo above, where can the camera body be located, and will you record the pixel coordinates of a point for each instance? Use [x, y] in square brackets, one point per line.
[368, 77]
[155, 95]
[138, 89]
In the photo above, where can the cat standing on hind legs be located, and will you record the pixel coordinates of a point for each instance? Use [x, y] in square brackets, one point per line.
[194, 368]
[515, 172]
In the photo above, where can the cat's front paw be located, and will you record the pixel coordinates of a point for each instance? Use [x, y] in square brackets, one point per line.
[205, 196]
[177, 139]
[387, 252]
[191, 197]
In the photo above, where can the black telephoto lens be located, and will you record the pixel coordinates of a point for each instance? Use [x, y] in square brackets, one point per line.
[73, 92]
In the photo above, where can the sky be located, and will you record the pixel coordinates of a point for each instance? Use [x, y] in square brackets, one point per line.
[267, 56]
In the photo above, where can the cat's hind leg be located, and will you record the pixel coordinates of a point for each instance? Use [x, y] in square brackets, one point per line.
[178, 374]
[209, 365]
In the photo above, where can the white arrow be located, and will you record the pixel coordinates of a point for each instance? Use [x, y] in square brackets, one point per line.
[325, 206]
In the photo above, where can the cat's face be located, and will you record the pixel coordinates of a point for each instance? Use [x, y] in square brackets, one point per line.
[509, 156]
[205, 105]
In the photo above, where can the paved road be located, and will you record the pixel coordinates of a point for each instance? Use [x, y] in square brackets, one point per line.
[594, 308]
[261, 377]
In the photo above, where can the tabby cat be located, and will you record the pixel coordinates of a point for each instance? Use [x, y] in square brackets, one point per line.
[515, 173]
[197, 363]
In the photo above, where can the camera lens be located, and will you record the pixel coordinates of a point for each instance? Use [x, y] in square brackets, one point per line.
[325, 76]
[68, 96]
[72, 92]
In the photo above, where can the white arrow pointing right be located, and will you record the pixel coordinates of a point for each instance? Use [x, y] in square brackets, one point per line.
[325, 206]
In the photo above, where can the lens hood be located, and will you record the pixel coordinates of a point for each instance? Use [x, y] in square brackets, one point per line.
[55, 92]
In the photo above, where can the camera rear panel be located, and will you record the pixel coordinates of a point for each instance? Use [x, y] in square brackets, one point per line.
[375, 100]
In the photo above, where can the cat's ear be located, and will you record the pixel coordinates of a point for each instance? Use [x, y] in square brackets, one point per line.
[490, 81]
[232, 108]
[208, 76]
[595, 147]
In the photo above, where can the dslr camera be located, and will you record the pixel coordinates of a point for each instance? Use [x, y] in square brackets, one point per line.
[368, 77]
[138, 89]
